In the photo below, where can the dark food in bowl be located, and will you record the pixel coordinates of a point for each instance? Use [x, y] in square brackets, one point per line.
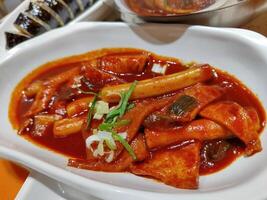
[13, 39]
[44, 15]
[27, 25]
[167, 7]
[130, 110]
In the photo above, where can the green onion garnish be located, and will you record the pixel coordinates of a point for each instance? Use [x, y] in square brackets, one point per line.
[130, 106]
[126, 145]
[110, 126]
[105, 127]
[91, 112]
[112, 121]
[126, 96]
[110, 145]
[122, 122]
[123, 104]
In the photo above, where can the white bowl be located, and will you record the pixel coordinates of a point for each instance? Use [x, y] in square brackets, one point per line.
[240, 52]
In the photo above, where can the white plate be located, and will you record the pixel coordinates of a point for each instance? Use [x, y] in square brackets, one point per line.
[38, 186]
[237, 51]
[97, 12]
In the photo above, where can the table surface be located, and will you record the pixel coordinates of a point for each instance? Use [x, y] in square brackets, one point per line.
[13, 176]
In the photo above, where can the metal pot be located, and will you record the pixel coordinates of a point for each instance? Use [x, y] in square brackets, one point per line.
[234, 13]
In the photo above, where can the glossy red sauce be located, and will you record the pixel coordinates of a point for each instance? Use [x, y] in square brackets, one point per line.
[238, 92]
[209, 166]
[74, 146]
[167, 7]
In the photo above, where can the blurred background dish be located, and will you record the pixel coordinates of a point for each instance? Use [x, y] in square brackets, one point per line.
[40, 16]
[231, 13]
[35, 17]
[170, 7]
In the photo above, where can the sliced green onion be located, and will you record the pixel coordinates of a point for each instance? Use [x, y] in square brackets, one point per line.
[122, 122]
[130, 106]
[100, 149]
[110, 126]
[110, 145]
[112, 114]
[111, 122]
[126, 145]
[98, 116]
[126, 98]
[123, 104]
[105, 126]
[101, 137]
[102, 107]
[110, 156]
[123, 135]
[91, 112]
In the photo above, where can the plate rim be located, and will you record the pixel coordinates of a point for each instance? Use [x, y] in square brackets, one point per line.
[248, 37]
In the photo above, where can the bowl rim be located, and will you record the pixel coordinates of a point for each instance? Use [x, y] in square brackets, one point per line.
[131, 12]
